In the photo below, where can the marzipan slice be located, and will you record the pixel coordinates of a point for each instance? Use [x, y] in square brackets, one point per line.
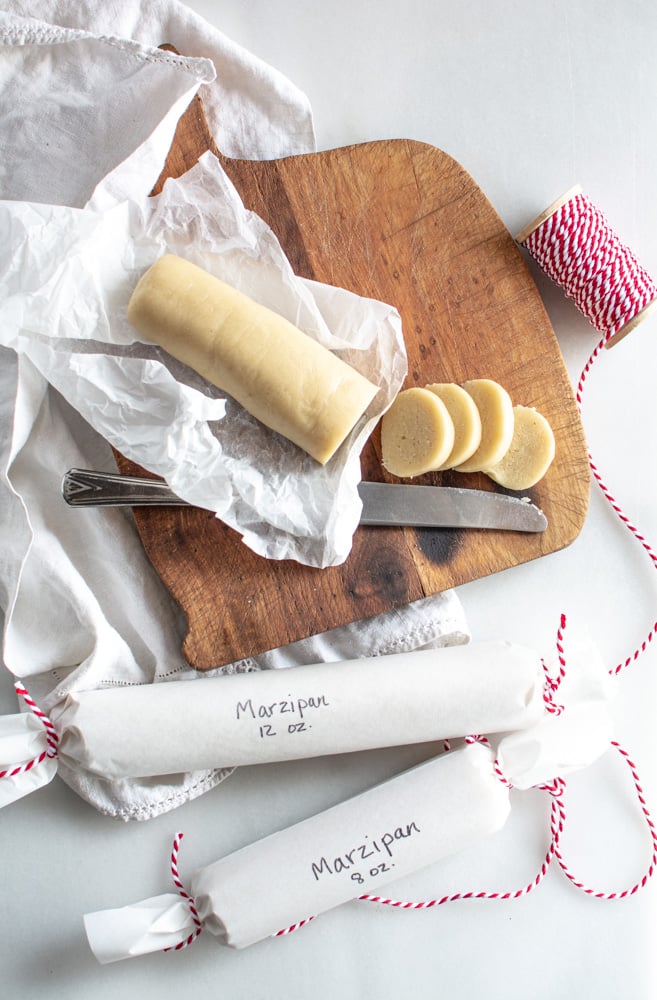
[465, 417]
[417, 433]
[530, 453]
[496, 414]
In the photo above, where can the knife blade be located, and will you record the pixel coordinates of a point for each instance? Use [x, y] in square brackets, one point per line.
[383, 503]
[447, 507]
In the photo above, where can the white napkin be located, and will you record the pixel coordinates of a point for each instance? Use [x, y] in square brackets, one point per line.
[252, 109]
[83, 606]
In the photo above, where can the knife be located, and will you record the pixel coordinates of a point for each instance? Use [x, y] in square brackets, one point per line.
[383, 503]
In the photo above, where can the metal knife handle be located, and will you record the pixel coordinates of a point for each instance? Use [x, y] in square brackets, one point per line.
[84, 488]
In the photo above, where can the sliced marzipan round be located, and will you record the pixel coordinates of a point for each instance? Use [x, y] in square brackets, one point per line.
[530, 453]
[496, 414]
[465, 417]
[417, 433]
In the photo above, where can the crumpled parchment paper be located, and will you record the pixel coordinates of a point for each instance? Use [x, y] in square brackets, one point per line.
[66, 276]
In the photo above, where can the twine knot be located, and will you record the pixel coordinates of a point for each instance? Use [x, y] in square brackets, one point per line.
[551, 684]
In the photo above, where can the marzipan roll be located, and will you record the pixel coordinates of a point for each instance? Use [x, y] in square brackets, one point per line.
[427, 813]
[302, 712]
[424, 814]
[283, 377]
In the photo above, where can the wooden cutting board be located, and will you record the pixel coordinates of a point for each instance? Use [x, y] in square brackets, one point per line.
[402, 222]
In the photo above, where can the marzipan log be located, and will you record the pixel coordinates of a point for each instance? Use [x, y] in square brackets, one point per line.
[284, 378]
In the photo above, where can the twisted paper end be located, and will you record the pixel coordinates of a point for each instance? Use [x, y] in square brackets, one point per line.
[52, 737]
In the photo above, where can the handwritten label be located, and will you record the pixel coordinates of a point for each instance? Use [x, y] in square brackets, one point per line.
[302, 708]
[371, 851]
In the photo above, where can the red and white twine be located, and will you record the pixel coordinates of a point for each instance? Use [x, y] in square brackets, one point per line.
[580, 252]
[293, 927]
[52, 739]
[616, 507]
[652, 866]
[177, 881]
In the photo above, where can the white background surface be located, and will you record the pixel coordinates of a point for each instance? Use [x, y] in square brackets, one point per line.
[530, 99]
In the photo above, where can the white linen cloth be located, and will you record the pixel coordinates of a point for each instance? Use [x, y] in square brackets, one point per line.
[83, 607]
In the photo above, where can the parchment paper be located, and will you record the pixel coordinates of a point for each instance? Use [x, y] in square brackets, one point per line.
[66, 276]
[424, 814]
[310, 711]
[23, 738]
[575, 737]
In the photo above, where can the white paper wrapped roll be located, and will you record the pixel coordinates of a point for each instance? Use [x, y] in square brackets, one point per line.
[404, 824]
[303, 712]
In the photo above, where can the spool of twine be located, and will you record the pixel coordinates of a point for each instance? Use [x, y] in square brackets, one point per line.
[574, 244]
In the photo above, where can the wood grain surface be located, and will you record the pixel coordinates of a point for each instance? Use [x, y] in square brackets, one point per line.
[402, 222]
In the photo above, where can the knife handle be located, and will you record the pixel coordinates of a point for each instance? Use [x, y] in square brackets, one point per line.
[84, 488]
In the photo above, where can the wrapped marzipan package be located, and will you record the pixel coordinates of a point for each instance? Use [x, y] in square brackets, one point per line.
[424, 814]
[306, 711]
[413, 820]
